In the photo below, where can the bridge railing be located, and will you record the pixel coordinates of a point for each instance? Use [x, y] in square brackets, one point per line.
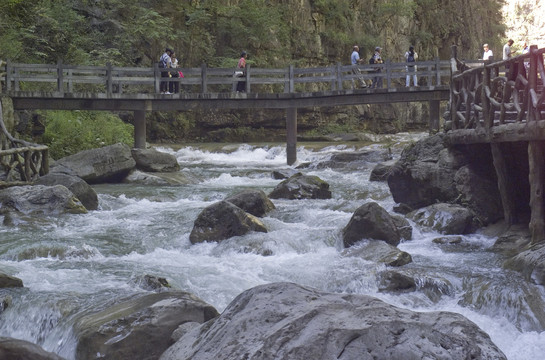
[498, 92]
[109, 81]
[21, 162]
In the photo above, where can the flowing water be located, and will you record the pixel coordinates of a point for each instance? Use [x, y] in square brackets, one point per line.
[76, 264]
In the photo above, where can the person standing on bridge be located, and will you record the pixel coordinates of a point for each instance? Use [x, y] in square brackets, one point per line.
[165, 62]
[507, 53]
[241, 85]
[411, 56]
[174, 86]
[487, 55]
[355, 60]
[377, 59]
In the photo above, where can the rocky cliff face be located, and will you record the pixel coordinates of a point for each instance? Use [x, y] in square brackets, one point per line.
[323, 33]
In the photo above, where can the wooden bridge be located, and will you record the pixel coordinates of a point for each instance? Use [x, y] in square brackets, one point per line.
[497, 103]
[503, 104]
[68, 87]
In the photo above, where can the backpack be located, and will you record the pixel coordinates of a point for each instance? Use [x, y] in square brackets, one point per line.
[372, 60]
[163, 61]
[410, 58]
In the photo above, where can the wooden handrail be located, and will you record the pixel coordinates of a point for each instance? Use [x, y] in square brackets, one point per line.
[497, 92]
[63, 78]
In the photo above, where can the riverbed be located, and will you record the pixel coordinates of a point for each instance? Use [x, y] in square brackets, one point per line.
[76, 264]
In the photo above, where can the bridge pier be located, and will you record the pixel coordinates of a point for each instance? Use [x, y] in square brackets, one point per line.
[140, 129]
[435, 115]
[291, 135]
[536, 160]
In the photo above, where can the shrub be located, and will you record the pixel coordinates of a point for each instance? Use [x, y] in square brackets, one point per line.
[69, 132]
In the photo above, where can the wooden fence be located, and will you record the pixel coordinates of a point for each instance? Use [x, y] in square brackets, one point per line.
[109, 80]
[21, 162]
[497, 93]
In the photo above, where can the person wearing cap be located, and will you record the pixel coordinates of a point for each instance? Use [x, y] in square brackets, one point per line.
[377, 59]
[355, 60]
[165, 62]
[487, 52]
[241, 85]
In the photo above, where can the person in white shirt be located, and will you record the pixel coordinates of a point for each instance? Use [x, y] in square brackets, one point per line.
[507, 53]
[487, 52]
[410, 58]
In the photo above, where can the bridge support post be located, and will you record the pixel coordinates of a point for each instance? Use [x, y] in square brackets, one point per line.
[505, 185]
[291, 135]
[140, 129]
[536, 157]
[435, 110]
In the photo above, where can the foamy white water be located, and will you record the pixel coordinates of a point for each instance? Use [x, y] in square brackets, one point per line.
[81, 263]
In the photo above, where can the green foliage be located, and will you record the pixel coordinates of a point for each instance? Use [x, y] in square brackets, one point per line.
[67, 133]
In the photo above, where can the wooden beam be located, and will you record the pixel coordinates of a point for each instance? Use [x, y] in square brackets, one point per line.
[434, 116]
[140, 129]
[291, 135]
[505, 185]
[536, 158]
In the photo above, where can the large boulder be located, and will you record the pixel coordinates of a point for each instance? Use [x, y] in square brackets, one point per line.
[430, 171]
[152, 160]
[530, 262]
[480, 193]
[139, 328]
[449, 219]
[15, 349]
[223, 220]
[379, 252]
[254, 202]
[107, 164]
[381, 171]
[424, 174]
[371, 222]
[40, 199]
[301, 186]
[285, 321]
[83, 191]
[7, 281]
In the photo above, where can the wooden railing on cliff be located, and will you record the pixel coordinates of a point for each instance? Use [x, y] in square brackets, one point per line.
[109, 81]
[21, 162]
[498, 93]
[503, 102]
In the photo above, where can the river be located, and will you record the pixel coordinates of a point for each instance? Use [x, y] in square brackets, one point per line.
[76, 264]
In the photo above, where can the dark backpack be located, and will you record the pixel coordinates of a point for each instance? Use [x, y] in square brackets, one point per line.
[410, 58]
[372, 60]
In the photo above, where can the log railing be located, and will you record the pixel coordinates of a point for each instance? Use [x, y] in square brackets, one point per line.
[21, 162]
[109, 81]
[496, 93]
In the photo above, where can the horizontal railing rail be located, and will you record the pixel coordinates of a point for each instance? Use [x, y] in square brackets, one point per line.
[65, 79]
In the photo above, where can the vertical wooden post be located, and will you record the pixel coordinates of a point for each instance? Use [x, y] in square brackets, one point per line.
[157, 77]
[140, 129]
[536, 157]
[292, 81]
[452, 101]
[339, 77]
[291, 135]
[505, 184]
[437, 72]
[8, 75]
[60, 80]
[109, 80]
[532, 81]
[434, 116]
[248, 85]
[488, 121]
[204, 82]
[388, 74]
